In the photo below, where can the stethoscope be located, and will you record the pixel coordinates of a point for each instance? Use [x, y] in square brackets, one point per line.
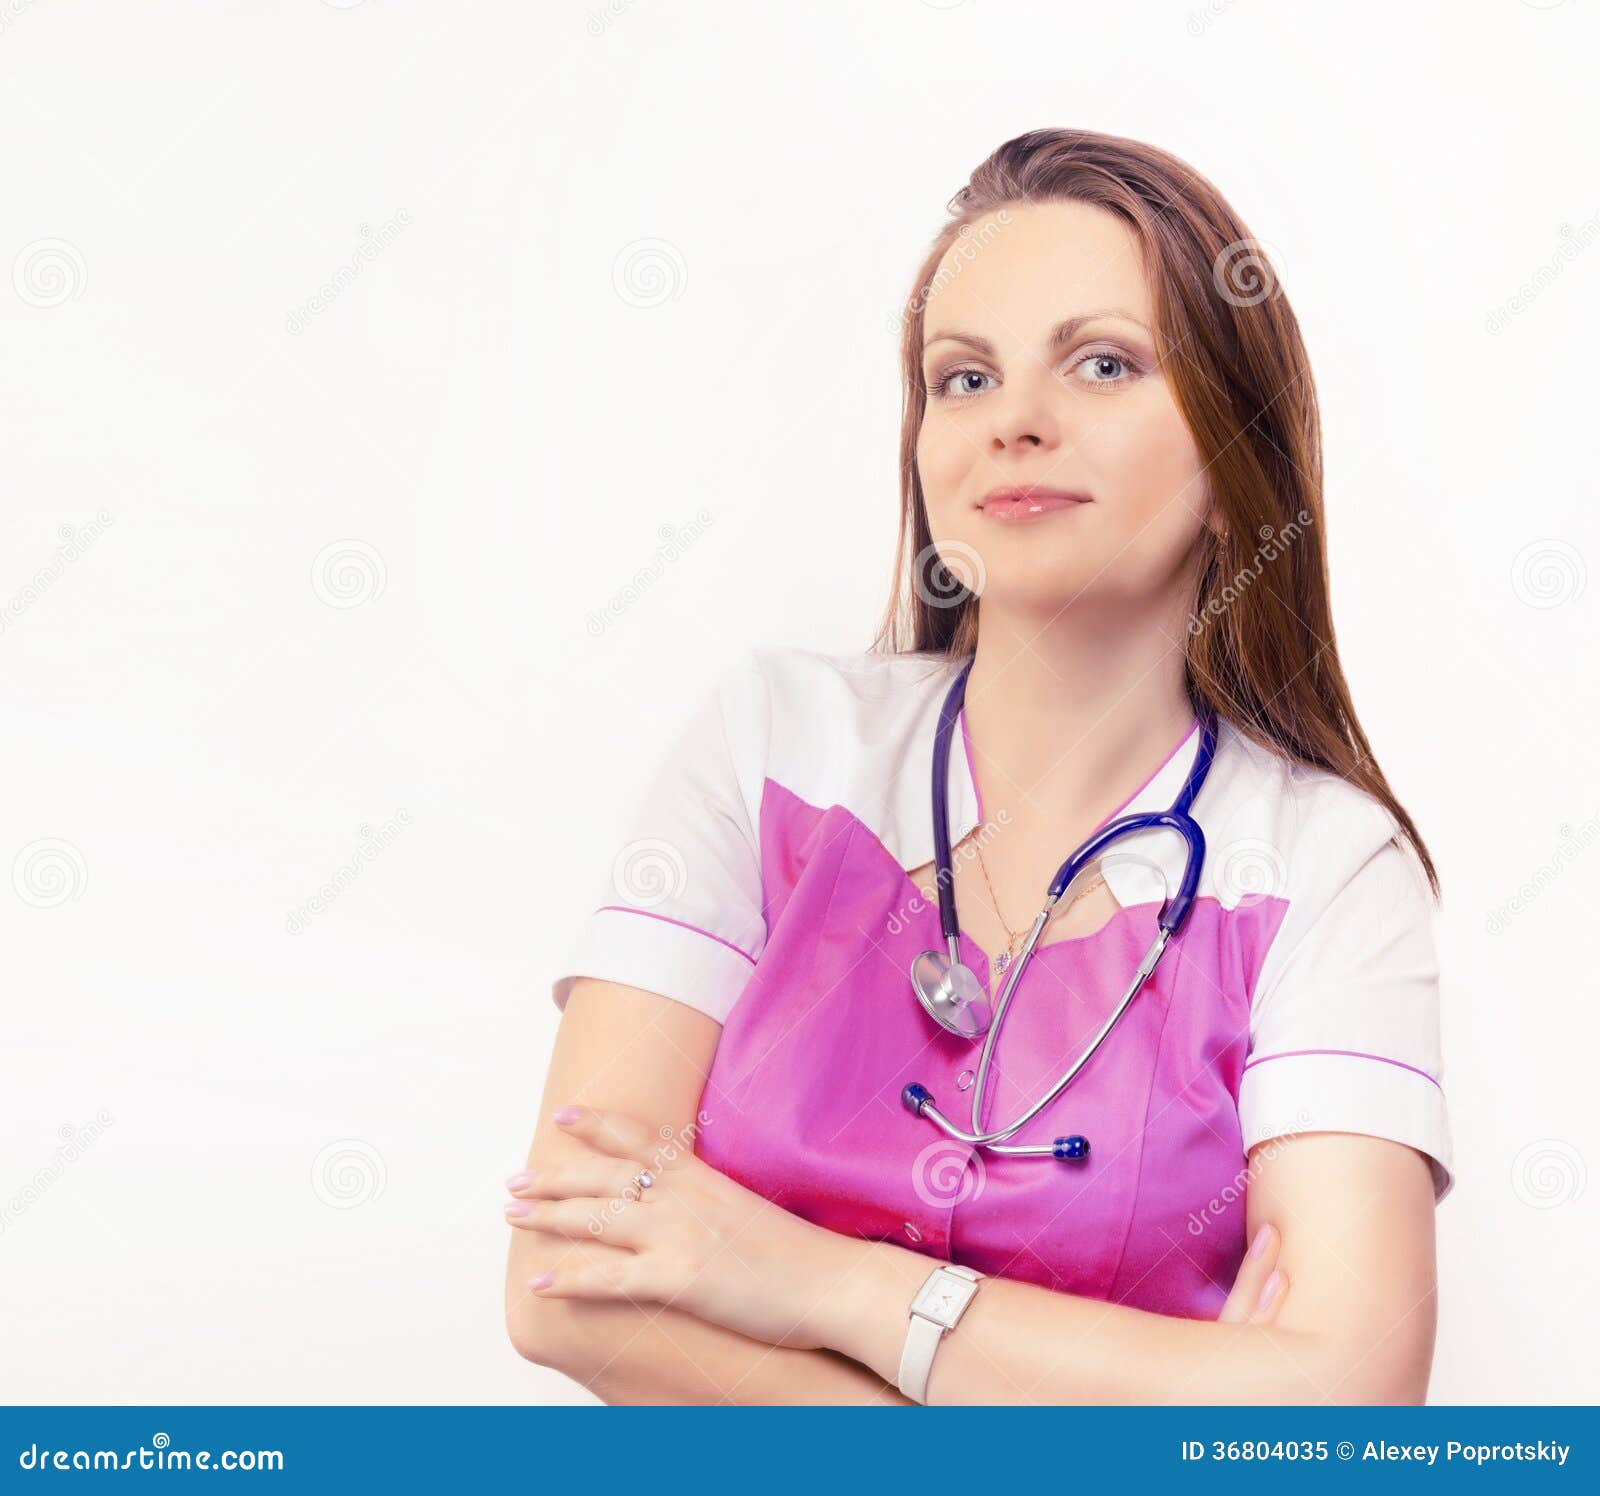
[950, 992]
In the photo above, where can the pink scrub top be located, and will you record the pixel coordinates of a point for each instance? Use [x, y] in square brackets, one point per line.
[762, 878]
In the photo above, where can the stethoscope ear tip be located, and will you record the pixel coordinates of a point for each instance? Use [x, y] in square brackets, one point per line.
[915, 1096]
[1074, 1148]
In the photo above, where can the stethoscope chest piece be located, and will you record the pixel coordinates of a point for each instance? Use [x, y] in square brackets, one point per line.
[950, 994]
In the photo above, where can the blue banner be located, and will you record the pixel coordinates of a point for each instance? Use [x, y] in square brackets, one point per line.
[773, 1450]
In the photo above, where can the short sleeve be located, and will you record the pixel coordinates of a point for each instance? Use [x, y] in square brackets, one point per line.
[678, 902]
[1345, 1028]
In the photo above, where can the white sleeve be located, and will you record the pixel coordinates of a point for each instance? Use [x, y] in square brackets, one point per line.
[678, 906]
[1344, 1030]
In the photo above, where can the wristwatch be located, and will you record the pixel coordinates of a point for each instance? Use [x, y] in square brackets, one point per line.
[938, 1304]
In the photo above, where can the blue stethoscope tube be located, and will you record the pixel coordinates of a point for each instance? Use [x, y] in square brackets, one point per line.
[951, 994]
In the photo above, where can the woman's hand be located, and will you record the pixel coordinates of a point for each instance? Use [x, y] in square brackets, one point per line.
[694, 1238]
[702, 1242]
[1260, 1289]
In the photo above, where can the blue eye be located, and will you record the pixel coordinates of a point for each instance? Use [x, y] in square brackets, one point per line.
[939, 386]
[1105, 356]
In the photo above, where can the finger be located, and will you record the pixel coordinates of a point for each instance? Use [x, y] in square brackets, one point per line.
[1253, 1273]
[613, 1221]
[605, 1273]
[588, 1173]
[615, 1133]
[537, 1252]
[1273, 1293]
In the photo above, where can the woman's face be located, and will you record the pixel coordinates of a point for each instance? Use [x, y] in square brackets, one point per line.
[1040, 369]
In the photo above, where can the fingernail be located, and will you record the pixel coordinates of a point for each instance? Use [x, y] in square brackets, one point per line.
[1269, 1288]
[541, 1280]
[1258, 1246]
[520, 1181]
[518, 1207]
[566, 1114]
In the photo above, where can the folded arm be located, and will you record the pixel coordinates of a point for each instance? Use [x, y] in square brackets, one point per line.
[703, 1291]
[1356, 1217]
[640, 1053]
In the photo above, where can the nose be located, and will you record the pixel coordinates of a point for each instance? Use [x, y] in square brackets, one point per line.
[1025, 412]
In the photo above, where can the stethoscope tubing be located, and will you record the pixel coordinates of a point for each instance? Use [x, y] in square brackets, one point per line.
[1170, 921]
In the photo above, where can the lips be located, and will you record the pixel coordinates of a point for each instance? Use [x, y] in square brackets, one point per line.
[1031, 501]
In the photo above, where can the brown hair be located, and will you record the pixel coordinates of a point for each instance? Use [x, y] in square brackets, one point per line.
[1262, 656]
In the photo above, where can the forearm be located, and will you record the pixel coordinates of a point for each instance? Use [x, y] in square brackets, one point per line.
[1018, 1343]
[627, 1354]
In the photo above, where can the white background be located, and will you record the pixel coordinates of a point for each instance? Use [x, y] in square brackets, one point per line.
[493, 420]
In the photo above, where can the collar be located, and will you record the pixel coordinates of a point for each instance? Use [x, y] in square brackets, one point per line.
[1128, 870]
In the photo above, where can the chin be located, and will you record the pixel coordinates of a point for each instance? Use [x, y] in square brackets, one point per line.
[1046, 595]
[1038, 572]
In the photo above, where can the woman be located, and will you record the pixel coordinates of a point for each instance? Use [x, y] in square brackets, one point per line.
[1112, 529]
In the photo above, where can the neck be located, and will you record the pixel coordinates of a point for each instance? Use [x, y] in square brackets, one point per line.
[1069, 718]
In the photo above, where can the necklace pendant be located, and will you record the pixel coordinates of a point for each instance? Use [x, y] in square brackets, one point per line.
[1002, 961]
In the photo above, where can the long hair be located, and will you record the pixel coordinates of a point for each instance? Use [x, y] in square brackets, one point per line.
[1260, 648]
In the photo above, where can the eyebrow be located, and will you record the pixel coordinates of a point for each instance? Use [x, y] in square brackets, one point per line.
[1063, 332]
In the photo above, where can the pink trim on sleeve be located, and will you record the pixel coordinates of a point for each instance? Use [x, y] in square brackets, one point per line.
[681, 924]
[1355, 1054]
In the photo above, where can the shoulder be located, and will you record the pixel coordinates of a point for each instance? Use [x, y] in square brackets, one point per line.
[1344, 1024]
[1277, 827]
[800, 677]
[831, 709]
[841, 729]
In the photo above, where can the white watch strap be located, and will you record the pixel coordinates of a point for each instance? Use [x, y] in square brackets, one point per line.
[922, 1341]
[916, 1360]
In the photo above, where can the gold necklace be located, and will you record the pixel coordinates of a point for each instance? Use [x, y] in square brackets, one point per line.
[1014, 938]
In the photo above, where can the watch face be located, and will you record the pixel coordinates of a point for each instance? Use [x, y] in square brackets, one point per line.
[943, 1297]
